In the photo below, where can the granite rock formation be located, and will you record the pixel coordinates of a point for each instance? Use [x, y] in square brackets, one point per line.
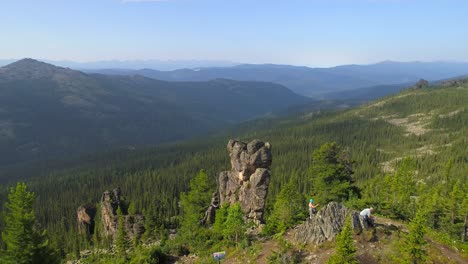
[110, 202]
[326, 224]
[247, 182]
[85, 216]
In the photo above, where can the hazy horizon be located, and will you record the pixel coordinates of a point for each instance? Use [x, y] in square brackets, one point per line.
[304, 33]
[169, 65]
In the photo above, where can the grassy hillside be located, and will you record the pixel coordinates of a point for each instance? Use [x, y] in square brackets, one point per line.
[429, 125]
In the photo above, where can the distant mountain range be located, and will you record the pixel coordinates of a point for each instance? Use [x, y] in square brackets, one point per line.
[314, 82]
[163, 65]
[49, 111]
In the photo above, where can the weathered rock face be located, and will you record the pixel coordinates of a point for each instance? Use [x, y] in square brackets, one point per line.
[210, 213]
[110, 201]
[85, 216]
[326, 224]
[248, 180]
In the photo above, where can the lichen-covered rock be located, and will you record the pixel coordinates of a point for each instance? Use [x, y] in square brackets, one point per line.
[85, 216]
[323, 226]
[248, 180]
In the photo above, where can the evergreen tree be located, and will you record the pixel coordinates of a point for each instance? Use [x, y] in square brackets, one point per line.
[345, 250]
[331, 173]
[122, 242]
[132, 209]
[288, 210]
[220, 219]
[414, 245]
[192, 205]
[25, 243]
[400, 187]
[234, 226]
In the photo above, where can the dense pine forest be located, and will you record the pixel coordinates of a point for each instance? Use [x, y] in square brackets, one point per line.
[408, 155]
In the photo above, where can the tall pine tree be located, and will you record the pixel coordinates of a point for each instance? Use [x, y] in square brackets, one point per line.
[414, 245]
[345, 250]
[331, 174]
[25, 242]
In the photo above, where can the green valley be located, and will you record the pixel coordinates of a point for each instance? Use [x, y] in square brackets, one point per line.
[409, 154]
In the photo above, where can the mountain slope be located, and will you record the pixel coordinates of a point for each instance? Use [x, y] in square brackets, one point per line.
[48, 111]
[428, 125]
[316, 81]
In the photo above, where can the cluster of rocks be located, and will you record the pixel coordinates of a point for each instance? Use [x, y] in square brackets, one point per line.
[247, 181]
[110, 202]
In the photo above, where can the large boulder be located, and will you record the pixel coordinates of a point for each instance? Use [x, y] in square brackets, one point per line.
[247, 181]
[326, 224]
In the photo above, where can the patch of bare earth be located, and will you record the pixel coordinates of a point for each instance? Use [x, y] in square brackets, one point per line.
[413, 124]
[267, 249]
[450, 255]
[451, 114]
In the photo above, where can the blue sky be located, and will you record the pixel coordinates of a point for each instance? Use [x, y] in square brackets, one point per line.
[299, 32]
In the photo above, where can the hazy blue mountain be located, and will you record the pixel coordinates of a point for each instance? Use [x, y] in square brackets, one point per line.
[165, 65]
[48, 111]
[316, 82]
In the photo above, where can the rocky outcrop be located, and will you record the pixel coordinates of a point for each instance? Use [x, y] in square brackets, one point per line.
[421, 84]
[110, 202]
[323, 226]
[326, 224]
[85, 216]
[210, 213]
[247, 182]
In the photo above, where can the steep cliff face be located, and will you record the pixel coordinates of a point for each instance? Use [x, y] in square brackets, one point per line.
[247, 181]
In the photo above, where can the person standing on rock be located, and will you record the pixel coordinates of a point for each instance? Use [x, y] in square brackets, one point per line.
[367, 217]
[312, 207]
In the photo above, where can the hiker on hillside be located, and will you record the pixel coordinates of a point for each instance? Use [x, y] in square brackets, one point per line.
[312, 207]
[367, 217]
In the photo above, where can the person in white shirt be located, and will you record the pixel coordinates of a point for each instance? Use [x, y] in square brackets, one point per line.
[366, 215]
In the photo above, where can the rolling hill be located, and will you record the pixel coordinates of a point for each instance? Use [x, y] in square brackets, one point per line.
[315, 82]
[48, 111]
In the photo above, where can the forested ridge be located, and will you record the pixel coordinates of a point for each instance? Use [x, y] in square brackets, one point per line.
[49, 112]
[409, 151]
